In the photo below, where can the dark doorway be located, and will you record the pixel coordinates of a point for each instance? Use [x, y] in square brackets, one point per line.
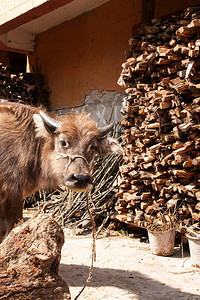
[17, 62]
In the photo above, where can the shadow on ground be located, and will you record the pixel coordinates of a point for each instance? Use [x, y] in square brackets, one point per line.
[139, 285]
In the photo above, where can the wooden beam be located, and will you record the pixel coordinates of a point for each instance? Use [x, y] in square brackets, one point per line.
[148, 8]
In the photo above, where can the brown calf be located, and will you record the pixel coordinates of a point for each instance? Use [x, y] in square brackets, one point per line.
[38, 152]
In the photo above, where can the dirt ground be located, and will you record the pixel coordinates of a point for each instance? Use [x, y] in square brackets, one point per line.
[126, 269]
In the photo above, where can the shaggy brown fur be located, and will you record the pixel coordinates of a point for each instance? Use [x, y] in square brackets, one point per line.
[78, 125]
[33, 157]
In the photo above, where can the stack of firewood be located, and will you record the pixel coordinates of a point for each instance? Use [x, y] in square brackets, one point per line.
[161, 170]
[24, 87]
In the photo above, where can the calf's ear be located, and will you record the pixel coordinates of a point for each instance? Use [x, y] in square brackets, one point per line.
[108, 145]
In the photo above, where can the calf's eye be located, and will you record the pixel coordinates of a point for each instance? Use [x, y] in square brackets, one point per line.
[63, 143]
[93, 147]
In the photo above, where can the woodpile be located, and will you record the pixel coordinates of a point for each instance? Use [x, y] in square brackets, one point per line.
[27, 88]
[29, 261]
[161, 170]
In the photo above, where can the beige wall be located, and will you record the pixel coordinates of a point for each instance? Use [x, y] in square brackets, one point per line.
[86, 53]
[10, 9]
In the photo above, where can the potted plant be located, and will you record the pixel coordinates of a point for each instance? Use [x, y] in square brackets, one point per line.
[193, 235]
[161, 232]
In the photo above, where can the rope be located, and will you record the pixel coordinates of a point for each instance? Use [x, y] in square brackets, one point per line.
[93, 247]
[71, 158]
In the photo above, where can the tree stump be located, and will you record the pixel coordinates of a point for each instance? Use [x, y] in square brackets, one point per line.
[29, 261]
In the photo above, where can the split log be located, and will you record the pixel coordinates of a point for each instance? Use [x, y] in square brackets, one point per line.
[29, 261]
[161, 121]
[24, 87]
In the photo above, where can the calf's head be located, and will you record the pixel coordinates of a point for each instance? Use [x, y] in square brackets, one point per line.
[74, 142]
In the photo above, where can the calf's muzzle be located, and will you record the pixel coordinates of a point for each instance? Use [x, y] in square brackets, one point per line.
[79, 182]
[77, 175]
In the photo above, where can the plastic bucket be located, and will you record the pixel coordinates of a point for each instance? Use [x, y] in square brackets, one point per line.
[194, 246]
[162, 243]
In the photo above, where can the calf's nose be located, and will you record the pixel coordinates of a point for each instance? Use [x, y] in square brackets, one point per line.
[81, 179]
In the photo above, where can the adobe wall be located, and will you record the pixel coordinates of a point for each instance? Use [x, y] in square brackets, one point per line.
[85, 54]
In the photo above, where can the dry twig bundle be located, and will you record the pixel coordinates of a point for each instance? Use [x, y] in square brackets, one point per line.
[164, 222]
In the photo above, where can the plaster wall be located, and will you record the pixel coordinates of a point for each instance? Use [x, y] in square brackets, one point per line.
[102, 106]
[81, 58]
[86, 53]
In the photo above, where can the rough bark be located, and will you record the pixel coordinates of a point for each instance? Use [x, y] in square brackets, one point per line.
[29, 261]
